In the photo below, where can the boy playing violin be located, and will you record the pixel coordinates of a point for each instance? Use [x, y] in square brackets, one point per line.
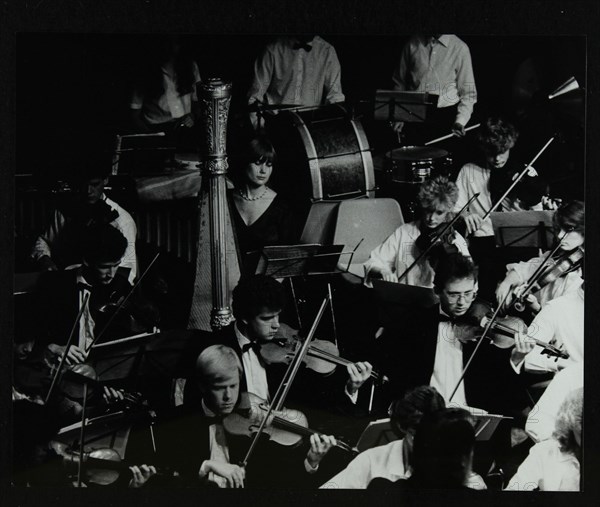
[204, 452]
[437, 197]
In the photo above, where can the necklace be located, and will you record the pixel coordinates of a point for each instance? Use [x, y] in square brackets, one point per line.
[246, 198]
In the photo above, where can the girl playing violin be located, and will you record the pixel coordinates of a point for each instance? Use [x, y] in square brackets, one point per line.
[437, 197]
[568, 222]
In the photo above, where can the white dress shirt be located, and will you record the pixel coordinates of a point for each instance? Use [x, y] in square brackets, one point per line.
[441, 66]
[219, 450]
[284, 75]
[86, 323]
[448, 365]
[472, 179]
[254, 371]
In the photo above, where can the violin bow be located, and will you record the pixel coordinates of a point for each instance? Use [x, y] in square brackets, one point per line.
[99, 335]
[486, 330]
[67, 347]
[539, 270]
[517, 179]
[286, 383]
[436, 238]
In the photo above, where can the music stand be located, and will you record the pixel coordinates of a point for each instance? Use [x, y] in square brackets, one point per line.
[516, 229]
[299, 260]
[405, 106]
[402, 294]
[377, 433]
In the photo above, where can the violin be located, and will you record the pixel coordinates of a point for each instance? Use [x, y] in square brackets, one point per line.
[102, 467]
[502, 331]
[565, 264]
[322, 357]
[438, 239]
[286, 427]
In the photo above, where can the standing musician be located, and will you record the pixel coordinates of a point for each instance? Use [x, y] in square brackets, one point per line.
[439, 64]
[257, 303]
[303, 70]
[569, 229]
[437, 197]
[203, 452]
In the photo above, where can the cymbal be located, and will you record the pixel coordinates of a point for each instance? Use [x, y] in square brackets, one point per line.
[416, 153]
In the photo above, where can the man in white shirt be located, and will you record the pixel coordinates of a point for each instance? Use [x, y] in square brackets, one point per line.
[439, 64]
[303, 70]
[59, 246]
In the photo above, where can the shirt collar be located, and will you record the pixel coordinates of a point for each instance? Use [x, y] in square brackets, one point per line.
[444, 39]
[242, 339]
[207, 411]
[81, 281]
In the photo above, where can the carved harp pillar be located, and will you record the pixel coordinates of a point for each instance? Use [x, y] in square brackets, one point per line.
[217, 266]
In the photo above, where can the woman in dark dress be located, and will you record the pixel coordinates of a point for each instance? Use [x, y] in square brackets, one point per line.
[260, 216]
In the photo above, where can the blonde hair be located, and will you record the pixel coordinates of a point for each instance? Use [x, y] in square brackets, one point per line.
[216, 362]
[438, 192]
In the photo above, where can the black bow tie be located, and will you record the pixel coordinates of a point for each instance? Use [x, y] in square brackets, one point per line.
[445, 318]
[306, 47]
[255, 346]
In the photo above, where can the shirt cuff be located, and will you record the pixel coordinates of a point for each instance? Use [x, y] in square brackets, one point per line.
[203, 472]
[517, 367]
[309, 468]
[353, 397]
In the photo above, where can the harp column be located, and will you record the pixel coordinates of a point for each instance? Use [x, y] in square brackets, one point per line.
[215, 97]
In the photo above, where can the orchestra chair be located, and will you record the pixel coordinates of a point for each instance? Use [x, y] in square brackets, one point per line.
[368, 222]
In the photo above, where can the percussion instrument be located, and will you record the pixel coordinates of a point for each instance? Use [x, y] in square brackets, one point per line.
[415, 164]
[322, 153]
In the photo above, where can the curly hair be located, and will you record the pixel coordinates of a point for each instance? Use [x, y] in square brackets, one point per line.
[496, 136]
[569, 420]
[438, 192]
[570, 217]
[254, 293]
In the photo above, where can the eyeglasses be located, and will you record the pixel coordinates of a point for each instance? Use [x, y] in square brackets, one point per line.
[454, 297]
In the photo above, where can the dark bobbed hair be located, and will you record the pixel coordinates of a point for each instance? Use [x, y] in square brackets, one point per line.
[454, 266]
[249, 148]
[570, 217]
[103, 243]
[255, 293]
[443, 444]
[438, 191]
[406, 413]
[496, 135]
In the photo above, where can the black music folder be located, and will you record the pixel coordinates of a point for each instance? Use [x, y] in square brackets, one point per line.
[402, 294]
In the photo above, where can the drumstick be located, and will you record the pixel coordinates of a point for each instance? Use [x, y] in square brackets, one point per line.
[448, 136]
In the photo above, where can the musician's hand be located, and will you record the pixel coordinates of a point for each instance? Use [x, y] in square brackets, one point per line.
[74, 356]
[47, 264]
[548, 203]
[473, 222]
[111, 395]
[141, 475]
[319, 447]
[384, 273]
[458, 129]
[397, 126]
[358, 373]
[523, 346]
[186, 121]
[533, 303]
[233, 474]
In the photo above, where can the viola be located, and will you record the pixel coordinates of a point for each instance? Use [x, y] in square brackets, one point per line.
[323, 356]
[286, 427]
[502, 331]
[560, 267]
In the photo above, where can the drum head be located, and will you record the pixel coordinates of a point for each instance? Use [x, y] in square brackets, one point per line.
[416, 153]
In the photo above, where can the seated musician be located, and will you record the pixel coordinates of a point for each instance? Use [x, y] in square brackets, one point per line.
[260, 216]
[569, 229]
[212, 453]
[428, 346]
[437, 197]
[559, 323]
[257, 303]
[59, 246]
[39, 460]
[393, 461]
[442, 453]
[554, 464]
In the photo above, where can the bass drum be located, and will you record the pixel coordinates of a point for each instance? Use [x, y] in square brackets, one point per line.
[322, 154]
